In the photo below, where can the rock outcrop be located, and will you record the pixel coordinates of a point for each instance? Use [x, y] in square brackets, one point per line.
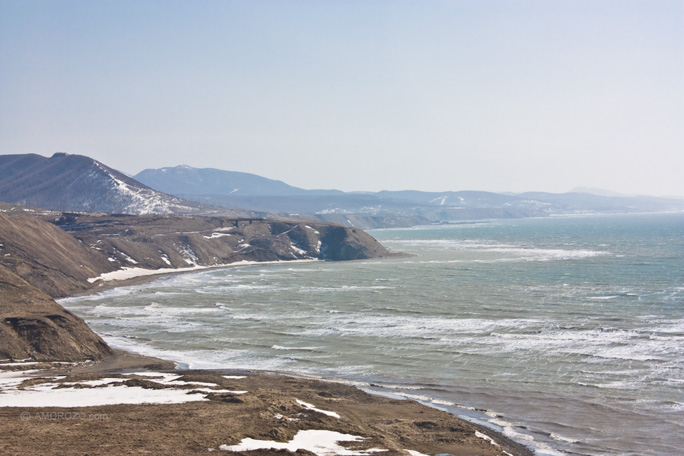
[156, 242]
[34, 326]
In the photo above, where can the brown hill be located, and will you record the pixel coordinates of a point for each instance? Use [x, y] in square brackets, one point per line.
[156, 242]
[47, 257]
[40, 260]
[32, 325]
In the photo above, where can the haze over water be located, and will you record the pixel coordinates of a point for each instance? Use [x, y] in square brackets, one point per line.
[567, 334]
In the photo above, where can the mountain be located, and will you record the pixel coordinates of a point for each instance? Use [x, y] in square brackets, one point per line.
[576, 202]
[78, 183]
[386, 208]
[185, 180]
[359, 209]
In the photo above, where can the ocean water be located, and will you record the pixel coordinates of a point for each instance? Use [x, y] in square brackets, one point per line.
[566, 334]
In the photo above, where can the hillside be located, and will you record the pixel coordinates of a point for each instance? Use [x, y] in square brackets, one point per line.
[162, 242]
[78, 183]
[33, 326]
[46, 255]
[186, 180]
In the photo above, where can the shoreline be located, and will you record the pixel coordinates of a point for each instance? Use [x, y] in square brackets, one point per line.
[271, 408]
[154, 274]
[124, 362]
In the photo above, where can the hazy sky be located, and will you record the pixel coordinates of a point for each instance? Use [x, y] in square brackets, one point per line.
[510, 95]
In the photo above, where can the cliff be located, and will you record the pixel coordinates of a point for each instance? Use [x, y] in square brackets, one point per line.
[33, 326]
[59, 254]
[161, 242]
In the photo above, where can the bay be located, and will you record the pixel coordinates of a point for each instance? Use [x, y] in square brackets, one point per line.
[567, 334]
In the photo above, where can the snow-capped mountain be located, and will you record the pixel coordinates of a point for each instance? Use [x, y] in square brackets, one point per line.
[78, 183]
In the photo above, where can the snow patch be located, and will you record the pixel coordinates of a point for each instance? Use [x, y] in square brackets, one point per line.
[308, 406]
[216, 235]
[104, 391]
[321, 443]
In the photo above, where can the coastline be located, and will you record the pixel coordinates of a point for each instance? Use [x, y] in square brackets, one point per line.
[130, 278]
[227, 410]
[399, 426]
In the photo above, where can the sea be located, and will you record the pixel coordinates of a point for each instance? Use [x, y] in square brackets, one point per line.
[564, 333]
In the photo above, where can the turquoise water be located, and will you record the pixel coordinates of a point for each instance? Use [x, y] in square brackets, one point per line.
[566, 334]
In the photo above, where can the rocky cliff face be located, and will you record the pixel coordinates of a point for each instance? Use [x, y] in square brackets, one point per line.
[62, 254]
[33, 326]
[156, 242]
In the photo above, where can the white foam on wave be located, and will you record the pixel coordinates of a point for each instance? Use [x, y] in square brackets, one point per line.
[307, 349]
[395, 327]
[512, 252]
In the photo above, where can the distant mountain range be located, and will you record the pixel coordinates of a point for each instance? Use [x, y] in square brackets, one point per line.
[78, 183]
[386, 208]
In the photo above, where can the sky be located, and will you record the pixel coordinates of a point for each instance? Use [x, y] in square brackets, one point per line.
[433, 95]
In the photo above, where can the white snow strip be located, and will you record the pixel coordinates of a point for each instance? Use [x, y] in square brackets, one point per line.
[486, 437]
[297, 250]
[127, 258]
[415, 453]
[89, 397]
[9, 379]
[171, 379]
[165, 377]
[234, 377]
[129, 273]
[216, 235]
[322, 443]
[207, 390]
[308, 406]
[52, 394]
[99, 382]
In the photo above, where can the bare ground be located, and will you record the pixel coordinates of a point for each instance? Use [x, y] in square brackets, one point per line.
[268, 411]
